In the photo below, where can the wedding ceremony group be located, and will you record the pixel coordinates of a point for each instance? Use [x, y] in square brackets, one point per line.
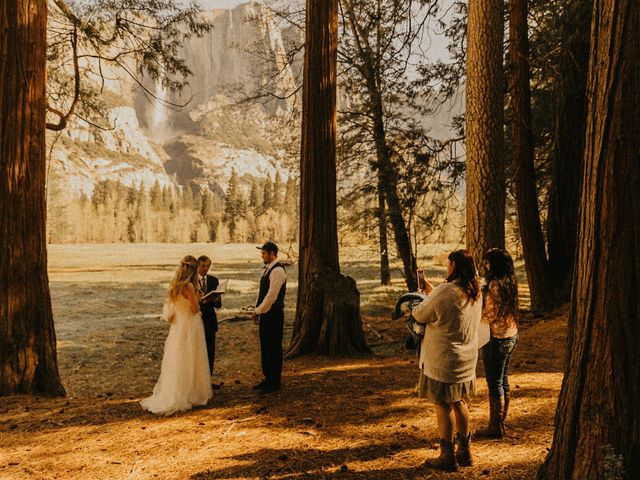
[187, 369]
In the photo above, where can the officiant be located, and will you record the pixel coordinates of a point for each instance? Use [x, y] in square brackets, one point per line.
[209, 283]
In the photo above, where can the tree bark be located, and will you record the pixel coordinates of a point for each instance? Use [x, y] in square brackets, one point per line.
[28, 362]
[385, 272]
[566, 171]
[533, 247]
[484, 127]
[328, 311]
[597, 422]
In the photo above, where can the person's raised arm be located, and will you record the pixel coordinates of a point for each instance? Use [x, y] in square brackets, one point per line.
[425, 312]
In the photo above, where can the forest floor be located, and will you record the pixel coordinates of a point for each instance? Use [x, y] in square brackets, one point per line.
[335, 418]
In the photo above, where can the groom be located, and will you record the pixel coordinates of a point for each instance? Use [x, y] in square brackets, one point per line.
[208, 309]
[269, 315]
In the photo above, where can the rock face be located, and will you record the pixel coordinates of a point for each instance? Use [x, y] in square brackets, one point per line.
[212, 135]
[85, 155]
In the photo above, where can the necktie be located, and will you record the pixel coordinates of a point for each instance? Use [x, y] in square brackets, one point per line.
[203, 282]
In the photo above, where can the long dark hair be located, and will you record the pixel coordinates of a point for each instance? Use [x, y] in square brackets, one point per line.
[502, 272]
[464, 270]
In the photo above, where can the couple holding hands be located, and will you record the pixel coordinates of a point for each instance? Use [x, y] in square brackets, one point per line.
[189, 352]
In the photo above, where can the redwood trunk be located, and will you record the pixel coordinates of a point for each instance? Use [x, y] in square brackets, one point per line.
[328, 311]
[564, 193]
[597, 421]
[28, 361]
[533, 247]
[484, 127]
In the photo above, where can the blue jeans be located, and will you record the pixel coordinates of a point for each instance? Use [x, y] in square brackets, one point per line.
[495, 356]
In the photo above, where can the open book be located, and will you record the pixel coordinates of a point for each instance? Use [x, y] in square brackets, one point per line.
[222, 286]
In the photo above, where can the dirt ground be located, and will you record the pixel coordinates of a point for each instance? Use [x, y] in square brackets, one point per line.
[346, 418]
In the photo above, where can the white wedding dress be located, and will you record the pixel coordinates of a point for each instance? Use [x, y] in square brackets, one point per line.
[184, 374]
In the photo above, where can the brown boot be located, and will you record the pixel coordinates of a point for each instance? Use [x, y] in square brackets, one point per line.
[505, 409]
[446, 461]
[494, 430]
[463, 450]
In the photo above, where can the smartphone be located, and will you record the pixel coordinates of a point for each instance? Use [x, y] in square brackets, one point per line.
[422, 282]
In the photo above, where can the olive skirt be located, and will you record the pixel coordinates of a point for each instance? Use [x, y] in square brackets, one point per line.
[445, 393]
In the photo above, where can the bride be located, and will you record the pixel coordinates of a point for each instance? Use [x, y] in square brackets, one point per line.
[184, 375]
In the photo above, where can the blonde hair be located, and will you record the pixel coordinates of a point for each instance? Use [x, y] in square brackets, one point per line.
[186, 273]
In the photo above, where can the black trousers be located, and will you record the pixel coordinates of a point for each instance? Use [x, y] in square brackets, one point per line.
[271, 330]
[210, 329]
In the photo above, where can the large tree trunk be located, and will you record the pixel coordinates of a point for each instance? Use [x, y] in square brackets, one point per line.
[597, 421]
[385, 272]
[533, 246]
[564, 192]
[28, 361]
[328, 312]
[484, 127]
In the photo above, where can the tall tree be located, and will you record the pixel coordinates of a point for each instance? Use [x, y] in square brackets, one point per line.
[597, 423]
[267, 194]
[533, 245]
[484, 127]
[328, 306]
[232, 205]
[278, 193]
[28, 361]
[570, 94]
[376, 53]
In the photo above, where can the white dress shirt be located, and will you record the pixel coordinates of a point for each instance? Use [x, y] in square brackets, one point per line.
[277, 278]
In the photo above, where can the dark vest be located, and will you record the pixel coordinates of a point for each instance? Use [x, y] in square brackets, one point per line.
[264, 289]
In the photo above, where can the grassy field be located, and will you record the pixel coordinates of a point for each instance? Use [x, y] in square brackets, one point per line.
[335, 418]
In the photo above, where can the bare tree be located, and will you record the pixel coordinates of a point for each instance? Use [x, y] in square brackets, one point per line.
[597, 425]
[382, 115]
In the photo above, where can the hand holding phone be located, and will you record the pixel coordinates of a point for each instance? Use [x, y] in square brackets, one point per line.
[423, 284]
[422, 281]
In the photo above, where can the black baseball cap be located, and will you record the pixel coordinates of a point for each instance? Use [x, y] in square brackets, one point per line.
[269, 247]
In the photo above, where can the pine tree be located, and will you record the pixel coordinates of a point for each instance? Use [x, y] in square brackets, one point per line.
[254, 197]
[485, 200]
[167, 197]
[291, 198]
[278, 194]
[155, 195]
[187, 197]
[232, 205]
[267, 195]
